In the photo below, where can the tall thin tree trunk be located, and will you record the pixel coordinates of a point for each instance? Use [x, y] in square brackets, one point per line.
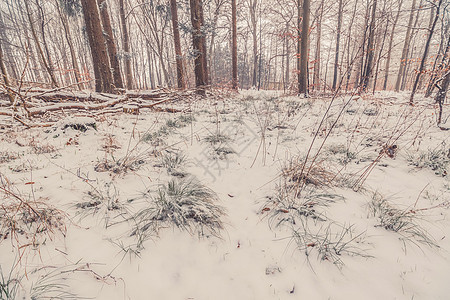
[102, 70]
[360, 69]
[370, 50]
[198, 42]
[126, 46]
[316, 76]
[391, 40]
[234, 80]
[338, 38]
[303, 76]
[425, 53]
[349, 63]
[177, 43]
[253, 5]
[110, 43]
[288, 58]
[403, 59]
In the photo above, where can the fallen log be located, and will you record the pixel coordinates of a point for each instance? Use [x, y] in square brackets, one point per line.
[76, 105]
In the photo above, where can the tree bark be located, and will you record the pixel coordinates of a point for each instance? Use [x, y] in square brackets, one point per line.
[177, 43]
[316, 76]
[110, 43]
[198, 42]
[234, 75]
[253, 5]
[126, 46]
[102, 70]
[304, 48]
[370, 50]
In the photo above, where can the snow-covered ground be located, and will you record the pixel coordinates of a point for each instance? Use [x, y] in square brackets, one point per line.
[85, 211]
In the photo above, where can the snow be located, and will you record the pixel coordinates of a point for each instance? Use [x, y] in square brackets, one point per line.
[94, 255]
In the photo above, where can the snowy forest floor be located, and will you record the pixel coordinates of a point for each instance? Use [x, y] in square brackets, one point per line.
[255, 196]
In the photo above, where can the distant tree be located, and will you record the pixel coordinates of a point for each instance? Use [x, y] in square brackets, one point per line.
[126, 45]
[338, 38]
[234, 72]
[425, 52]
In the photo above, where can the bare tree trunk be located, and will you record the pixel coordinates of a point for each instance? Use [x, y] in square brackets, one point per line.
[391, 40]
[440, 96]
[288, 58]
[360, 69]
[198, 42]
[338, 38]
[370, 50]
[425, 53]
[177, 43]
[304, 49]
[253, 5]
[110, 43]
[316, 76]
[349, 64]
[102, 70]
[234, 76]
[405, 47]
[126, 46]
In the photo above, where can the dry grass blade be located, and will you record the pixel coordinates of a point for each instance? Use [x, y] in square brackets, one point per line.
[318, 175]
[30, 218]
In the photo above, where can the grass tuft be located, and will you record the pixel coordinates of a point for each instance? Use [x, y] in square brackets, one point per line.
[437, 160]
[9, 285]
[186, 204]
[403, 222]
